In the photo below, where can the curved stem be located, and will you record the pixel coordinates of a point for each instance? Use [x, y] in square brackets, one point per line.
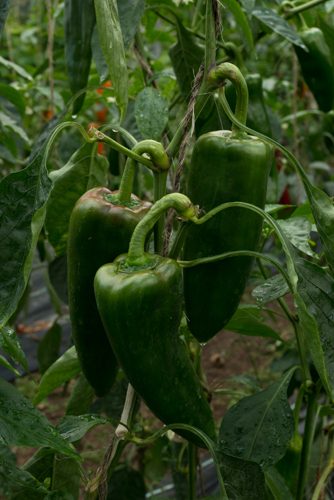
[160, 179]
[217, 78]
[301, 8]
[132, 141]
[177, 201]
[236, 253]
[158, 157]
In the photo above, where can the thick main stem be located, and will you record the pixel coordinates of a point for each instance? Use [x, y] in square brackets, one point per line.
[177, 201]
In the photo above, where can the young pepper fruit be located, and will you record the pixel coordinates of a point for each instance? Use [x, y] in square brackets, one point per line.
[139, 298]
[101, 226]
[225, 166]
[100, 230]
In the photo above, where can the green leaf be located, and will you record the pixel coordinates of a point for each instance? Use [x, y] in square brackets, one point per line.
[65, 368]
[247, 320]
[248, 5]
[130, 13]
[151, 113]
[298, 229]
[58, 276]
[11, 126]
[315, 307]
[276, 485]
[23, 425]
[83, 171]
[66, 476]
[126, 483]
[23, 196]
[6, 364]
[244, 480]
[17, 483]
[10, 344]
[48, 347]
[40, 465]
[14, 96]
[186, 56]
[81, 398]
[328, 31]
[111, 41]
[4, 8]
[259, 427]
[273, 288]
[241, 20]
[15, 67]
[278, 24]
[74, 427]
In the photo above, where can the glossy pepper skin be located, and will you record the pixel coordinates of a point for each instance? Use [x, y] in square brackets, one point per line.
[141, 310]
[224, 167]
[99, 231]
[317, 67]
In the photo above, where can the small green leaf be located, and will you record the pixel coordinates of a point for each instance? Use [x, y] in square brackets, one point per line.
[65, 368]
[130, 13]
[48, 347]
[259, 427]
[23, 425]
[273, 288]
[11, 126]
[111, 41]
[278, 24]
[243, 479]
[186, 56]
[151, 113]
[15, 67]
[277, 486]
[11, 346]
[247, 320]
[74, 427]
[14, 96]
[298, 229]
[241, 20]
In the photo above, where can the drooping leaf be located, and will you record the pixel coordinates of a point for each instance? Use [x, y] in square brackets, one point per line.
[81, 398]
[277, 486]
[315, 306]
[298, 229]
[14, 96]
[79, 22]
[186, 56]
[130, 13]
[84, 170]
[15, 67]
[247, 320]
[273, 288]
[259, 427]
[65, 368]
[278, 24]
[21, 424]
[10, 344]
[48, 347]
[66, 476]
[18, 483]
[125, 483]
[4, 8]
[241, 20]
[74, 427]
[243, 479]
[11, 126]
[151, 113]
[111, 41]
[23, 196]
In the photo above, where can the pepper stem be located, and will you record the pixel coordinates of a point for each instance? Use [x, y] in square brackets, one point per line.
[228, 71]
[179, 202]
[157, 157]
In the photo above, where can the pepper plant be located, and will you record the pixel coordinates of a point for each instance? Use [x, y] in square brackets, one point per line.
[169, 165]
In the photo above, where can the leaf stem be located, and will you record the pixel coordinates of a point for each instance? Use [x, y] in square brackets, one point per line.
[301, 8]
